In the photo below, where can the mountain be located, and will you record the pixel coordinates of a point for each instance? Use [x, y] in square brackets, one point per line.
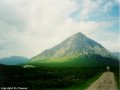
[74, 49]
[116, 55]
[13, 60]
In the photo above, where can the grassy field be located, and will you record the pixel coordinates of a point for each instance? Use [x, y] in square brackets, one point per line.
[85, 84]
[49, 78]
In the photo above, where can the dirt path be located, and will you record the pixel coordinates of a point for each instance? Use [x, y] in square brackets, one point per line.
[105, 82]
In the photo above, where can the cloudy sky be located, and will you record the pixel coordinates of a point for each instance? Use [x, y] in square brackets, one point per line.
[27, 27]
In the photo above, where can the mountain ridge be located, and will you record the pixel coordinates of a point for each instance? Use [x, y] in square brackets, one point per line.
[13, 60]
[116, 55]
[76, 51]
[77, 44]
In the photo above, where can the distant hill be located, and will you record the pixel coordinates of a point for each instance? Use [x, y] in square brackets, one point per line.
[13, 60]
[116, 55]
[78, 50]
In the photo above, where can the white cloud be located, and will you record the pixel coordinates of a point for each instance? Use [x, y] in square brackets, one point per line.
[111, 42]
[45, 23]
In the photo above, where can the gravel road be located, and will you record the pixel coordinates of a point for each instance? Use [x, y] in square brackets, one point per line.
[105, 82]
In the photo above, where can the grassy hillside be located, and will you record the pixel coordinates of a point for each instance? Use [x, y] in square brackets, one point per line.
[57, 73]
[76, 61]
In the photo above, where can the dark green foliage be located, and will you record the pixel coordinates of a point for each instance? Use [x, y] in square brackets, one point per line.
[41, 78]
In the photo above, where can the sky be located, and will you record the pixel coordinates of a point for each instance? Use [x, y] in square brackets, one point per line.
[28, 27]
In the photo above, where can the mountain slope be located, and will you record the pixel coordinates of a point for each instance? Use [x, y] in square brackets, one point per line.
[13, 60]
[116, 55]
[77, 44]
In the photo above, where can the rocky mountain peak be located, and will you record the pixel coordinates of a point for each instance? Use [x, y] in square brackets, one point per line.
[78, 44]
